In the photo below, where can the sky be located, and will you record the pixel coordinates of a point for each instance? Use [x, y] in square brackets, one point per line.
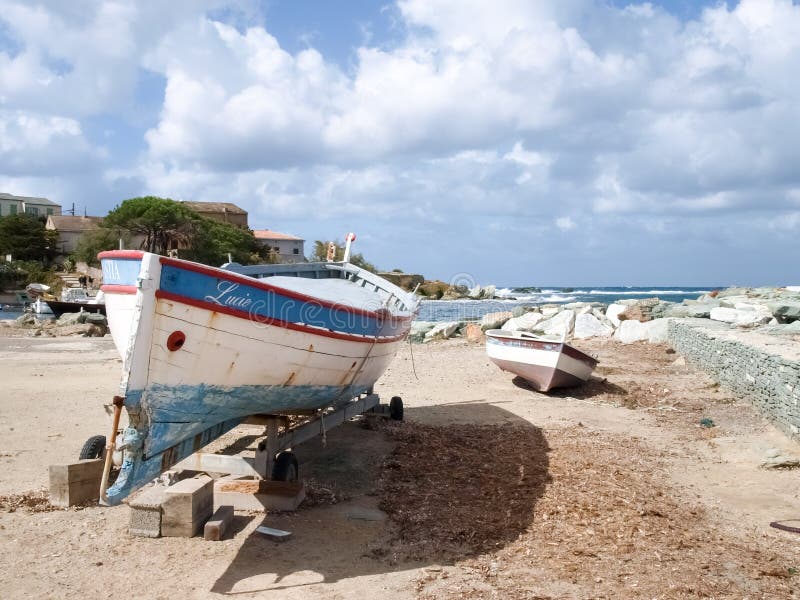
[512, 142]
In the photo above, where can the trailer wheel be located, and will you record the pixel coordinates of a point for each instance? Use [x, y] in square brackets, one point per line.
[396, 408]
[93, 448]
[285, 468]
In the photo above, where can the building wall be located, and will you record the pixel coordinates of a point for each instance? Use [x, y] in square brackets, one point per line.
[771, 382]
[290, 251]
[18, 207]
[233, 218]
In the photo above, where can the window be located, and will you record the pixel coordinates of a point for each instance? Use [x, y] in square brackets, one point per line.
[32, 210]
[296, 251]
[49, 211]
[12, 209]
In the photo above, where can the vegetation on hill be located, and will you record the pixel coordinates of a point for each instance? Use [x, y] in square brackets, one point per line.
[163, 225]
[25, 238]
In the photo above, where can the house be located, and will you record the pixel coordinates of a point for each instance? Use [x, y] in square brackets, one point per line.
[289, 248]
[225, 212]
[19, 205]
[71, 229]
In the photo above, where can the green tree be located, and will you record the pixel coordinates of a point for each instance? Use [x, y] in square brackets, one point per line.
[213, 241]
[320, 254]
[163, 223]
[25, 238]
[94, 242]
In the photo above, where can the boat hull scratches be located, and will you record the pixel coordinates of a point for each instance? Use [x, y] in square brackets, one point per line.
[139, 469]
[177, 413]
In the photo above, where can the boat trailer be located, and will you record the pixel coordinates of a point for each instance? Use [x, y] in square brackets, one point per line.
[248, 482]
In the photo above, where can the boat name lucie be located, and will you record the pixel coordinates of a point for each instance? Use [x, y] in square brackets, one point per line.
[226, 297]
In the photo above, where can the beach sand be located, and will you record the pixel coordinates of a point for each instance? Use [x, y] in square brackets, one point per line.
[488, 489]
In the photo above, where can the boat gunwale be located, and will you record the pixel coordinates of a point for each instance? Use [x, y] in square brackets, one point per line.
[532, 342]
[381, 315]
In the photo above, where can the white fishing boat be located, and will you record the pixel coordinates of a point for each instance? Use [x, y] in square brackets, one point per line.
[203, 348]
[544, 363]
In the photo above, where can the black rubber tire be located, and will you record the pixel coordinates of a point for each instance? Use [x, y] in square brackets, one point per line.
[396, 408]
[285, 467]
[93, 448]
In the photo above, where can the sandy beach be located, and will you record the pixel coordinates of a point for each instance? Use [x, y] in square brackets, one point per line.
[488, 489]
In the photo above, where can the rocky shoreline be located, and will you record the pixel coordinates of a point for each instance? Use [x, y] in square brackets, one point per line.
[78, 324]
[775, 310]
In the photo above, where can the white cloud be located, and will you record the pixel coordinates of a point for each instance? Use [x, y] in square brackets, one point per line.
[565, 223]
[515, 114]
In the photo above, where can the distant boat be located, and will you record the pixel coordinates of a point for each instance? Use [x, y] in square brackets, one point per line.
[75, 300]
[545, 364]
[203, 348]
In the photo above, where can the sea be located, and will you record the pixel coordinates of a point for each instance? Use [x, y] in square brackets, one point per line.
[511, 297]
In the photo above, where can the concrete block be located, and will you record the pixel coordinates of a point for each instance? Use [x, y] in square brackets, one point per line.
[215, 527]
[258, 495]
[145, 507]
[76, 483]
[187, 506]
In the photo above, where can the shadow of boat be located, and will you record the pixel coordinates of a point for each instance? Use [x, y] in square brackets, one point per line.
[595, 386]
[445, 493]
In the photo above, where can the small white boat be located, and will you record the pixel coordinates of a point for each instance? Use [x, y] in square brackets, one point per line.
[544, 363]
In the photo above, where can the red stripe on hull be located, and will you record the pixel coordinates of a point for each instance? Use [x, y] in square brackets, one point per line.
[161, 294]
[113, 288]
[125, 254]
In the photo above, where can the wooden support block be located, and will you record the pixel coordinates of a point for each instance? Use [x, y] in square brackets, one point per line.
[75, 483]
[258, 495]
[215, 527]
[187, 506]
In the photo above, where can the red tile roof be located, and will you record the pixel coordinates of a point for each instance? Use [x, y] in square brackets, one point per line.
[266, 234]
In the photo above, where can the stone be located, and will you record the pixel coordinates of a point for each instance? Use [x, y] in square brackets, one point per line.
[631, 331]
[72, 318]
[679, 362]
[145, 517]
[561, 324]
[84, 329]
[96, 319]
[482, 293]
[495, 320]
[187, 506]
[587, 325]
[550, 310]
[527, 322]
[258, 495]
[790, 311]
[442, 331]
[419, 329]
[276, 535]
[613, 311]
[745, 316]
[701, 310]
[657, 331]
[474, 333]
[518, 311]
[214, 529]
[75, 483]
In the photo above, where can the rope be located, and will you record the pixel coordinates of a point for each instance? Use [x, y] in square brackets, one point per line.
[413, 366]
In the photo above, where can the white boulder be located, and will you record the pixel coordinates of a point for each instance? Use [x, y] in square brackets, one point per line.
[631, 331]
[743, 317]
[657, 330]
[561, 324]
[442, 331]
[527, 322]
[587, 325]
[613, 311]
[494, 320]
